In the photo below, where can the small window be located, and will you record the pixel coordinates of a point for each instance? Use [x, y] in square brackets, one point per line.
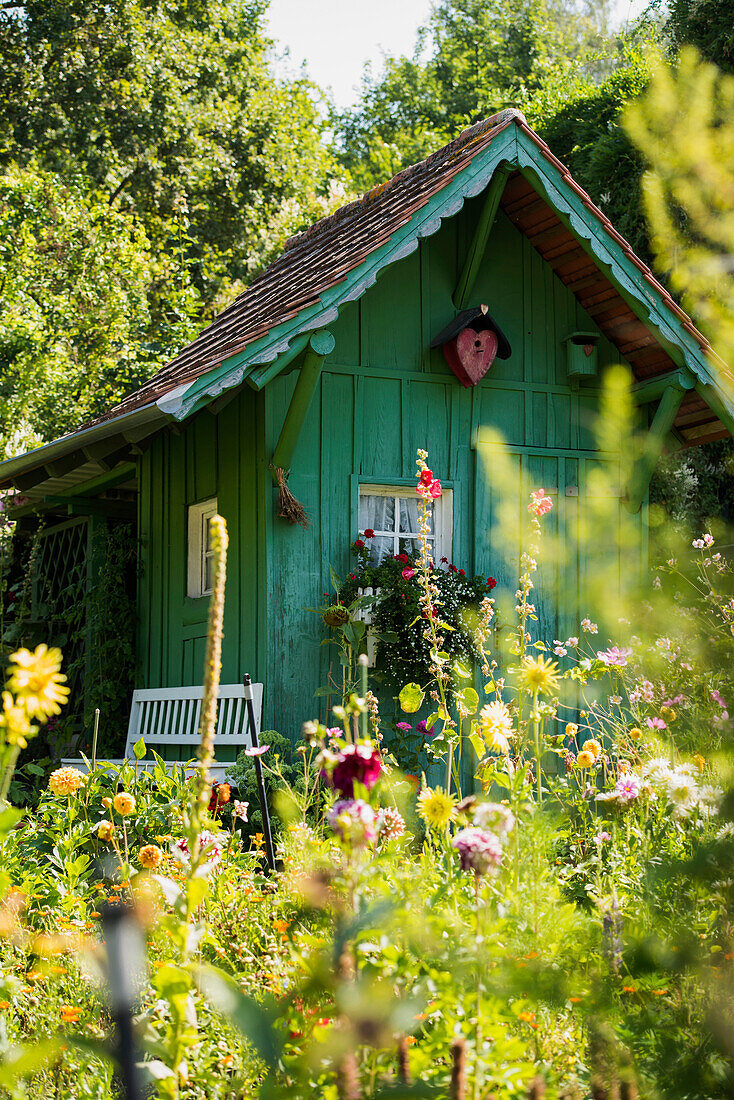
[392, 513]
[201, 554]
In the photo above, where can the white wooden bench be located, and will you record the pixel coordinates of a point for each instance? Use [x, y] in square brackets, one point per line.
[168, 719]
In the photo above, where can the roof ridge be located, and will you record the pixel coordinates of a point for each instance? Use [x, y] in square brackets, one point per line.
[500, 118]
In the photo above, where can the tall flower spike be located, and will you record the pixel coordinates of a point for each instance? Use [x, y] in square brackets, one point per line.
[213, 666]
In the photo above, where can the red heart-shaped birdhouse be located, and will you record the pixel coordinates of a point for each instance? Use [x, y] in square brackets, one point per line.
[471, 354]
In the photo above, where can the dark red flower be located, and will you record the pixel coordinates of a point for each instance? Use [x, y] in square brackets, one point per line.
[452, 568]
[462, 572]
[369, 533]
[444, 560]
[356, 764]
[402, 557]
[359, 544]
[491, 583]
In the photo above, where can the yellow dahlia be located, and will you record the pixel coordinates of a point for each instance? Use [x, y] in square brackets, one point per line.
[585, 760]
[37, 682]
[539, 674]
[15, 722]
[105, 830]
[124, 803]
[150, 856]
[571, 729]
[436, 807]
[592, 746]
[65, 781]
[636, 733]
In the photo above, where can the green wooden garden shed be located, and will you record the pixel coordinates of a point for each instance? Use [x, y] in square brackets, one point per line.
[331, 366]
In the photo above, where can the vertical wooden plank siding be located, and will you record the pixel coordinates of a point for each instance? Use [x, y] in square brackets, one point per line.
[382, 395]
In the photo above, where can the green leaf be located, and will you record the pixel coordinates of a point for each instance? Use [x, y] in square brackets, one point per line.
[172, 981]
[468, 699]
[431, 720]
[156, 1069]
[9, 818]
[354, 632]
[335, 582]
[139, 749]
[411, 698]
[477, 744]
[249, 1017]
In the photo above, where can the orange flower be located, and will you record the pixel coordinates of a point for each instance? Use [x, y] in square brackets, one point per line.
[575, 1000]
[659, 992]
[281, 925]
[629, 989]
[70, 1014]
[4, 1004]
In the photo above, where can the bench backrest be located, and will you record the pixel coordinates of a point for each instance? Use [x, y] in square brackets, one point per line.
[170, 716]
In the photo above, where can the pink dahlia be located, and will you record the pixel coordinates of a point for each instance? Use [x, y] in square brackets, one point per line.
[479, 850]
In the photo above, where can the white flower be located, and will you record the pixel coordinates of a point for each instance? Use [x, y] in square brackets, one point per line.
[710, 798]
[560, 651]
[657, 770]
[495, 724]
[615, 700]
[697, 544]
[589, 627]
[572, 641]
[682, 791]
[495, 817]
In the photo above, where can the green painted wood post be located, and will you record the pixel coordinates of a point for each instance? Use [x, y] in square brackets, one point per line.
[319, 346]
[661, 425]
[478, 247]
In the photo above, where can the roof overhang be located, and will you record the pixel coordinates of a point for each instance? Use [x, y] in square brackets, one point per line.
[81, 456]
[503, 144]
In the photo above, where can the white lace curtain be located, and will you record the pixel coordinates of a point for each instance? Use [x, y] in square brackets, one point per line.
[394, 519]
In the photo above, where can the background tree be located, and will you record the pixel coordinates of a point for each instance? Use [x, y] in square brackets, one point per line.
[173, 165]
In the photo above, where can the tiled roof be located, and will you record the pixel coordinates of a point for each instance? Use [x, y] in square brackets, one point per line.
[317, 260]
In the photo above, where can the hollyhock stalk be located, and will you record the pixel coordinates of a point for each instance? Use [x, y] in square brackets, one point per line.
[429, 489]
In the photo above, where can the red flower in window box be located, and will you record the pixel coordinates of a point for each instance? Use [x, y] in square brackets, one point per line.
[358, 544]
[491, 583]
[369, 533]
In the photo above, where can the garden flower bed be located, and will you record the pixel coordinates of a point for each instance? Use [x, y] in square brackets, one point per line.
[561, 929]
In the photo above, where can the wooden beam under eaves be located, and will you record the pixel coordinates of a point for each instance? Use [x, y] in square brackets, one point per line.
[652, 389]
[660, 428]
[475, 256]
[320, 345]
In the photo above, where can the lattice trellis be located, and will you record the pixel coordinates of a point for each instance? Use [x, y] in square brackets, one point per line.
[59, 586]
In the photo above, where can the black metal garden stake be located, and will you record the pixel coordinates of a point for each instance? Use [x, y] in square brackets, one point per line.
[125, 971]
[269, 849]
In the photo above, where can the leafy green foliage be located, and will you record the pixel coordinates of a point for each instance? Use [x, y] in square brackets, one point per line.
[705, 24]
[89, 308]
[150, 163]
[481, 57]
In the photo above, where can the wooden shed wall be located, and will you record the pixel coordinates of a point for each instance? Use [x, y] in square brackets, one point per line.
[382, 395]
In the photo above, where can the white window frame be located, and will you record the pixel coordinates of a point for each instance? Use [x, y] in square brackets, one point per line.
[198, 555]
[443, 515]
